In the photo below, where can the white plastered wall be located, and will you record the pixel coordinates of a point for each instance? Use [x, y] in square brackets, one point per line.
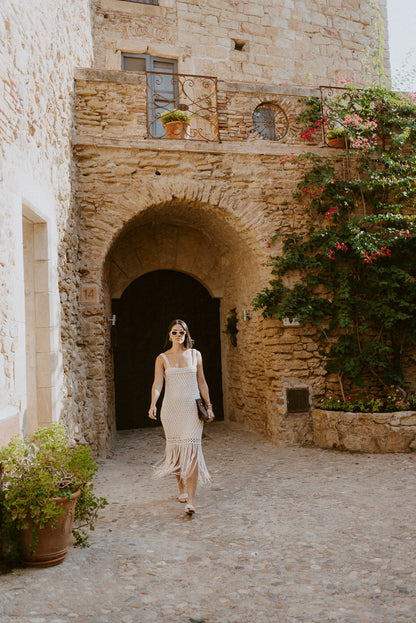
[33, 306]
[39, 53]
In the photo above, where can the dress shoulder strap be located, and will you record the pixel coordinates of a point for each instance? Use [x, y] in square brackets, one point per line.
[166, 359]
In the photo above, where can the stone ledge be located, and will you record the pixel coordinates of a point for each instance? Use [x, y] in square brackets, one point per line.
[262, 88]
[110, 75]
[365, 432]
[226, 146]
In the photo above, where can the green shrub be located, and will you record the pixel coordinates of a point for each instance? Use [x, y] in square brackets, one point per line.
[175, 115]
[34, 472]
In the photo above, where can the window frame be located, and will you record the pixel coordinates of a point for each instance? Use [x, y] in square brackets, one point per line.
[150, 60]
[154, 126]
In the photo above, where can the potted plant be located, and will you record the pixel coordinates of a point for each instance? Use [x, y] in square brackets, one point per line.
[337, 137]
[45, 483]
[176, 123]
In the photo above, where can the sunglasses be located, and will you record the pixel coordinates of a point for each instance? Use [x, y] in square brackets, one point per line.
[177, 332]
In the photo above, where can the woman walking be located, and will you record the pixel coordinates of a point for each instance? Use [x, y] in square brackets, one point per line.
[181, 368]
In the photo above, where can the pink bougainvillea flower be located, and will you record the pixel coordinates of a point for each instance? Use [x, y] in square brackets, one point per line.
[331, 211]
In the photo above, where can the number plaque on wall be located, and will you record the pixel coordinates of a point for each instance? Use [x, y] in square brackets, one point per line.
[89, 294]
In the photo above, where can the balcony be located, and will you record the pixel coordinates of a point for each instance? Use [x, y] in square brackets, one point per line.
[124, 106]
[195, 94]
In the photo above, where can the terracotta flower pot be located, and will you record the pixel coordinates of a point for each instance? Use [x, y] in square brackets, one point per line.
[52, 545]
[177, 129]
[338, 141]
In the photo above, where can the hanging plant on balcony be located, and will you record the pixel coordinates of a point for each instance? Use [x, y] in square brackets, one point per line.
[337, 137]
[176, 123]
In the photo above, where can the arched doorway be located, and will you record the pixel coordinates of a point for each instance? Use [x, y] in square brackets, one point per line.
[143, 313]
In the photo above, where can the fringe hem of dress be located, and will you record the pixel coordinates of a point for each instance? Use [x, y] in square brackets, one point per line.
[180, 459]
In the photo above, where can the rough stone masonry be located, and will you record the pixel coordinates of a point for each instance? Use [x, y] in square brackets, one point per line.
[88, 199]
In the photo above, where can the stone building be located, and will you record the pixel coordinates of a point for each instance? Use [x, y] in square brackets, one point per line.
[108, 230]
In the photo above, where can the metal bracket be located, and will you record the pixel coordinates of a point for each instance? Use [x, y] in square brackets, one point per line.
[112, 319]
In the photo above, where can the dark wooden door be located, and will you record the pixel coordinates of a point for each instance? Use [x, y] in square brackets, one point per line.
[143, 314]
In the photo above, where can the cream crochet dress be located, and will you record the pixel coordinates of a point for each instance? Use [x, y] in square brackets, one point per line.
[181, 424]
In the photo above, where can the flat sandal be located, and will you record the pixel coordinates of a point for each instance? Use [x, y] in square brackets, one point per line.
[189, 509]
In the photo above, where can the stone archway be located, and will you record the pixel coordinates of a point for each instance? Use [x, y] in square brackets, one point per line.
[198, 239]
[143, 312]
[199, 246]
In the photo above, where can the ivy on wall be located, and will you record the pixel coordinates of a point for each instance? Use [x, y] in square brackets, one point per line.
[353, 273]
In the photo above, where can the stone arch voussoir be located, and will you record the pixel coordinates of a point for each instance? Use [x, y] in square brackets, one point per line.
[249, 220]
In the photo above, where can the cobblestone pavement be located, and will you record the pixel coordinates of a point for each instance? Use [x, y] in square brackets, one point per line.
[283, 534]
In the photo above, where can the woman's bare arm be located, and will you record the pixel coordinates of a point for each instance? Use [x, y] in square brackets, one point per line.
[202, 384]
[157, 386]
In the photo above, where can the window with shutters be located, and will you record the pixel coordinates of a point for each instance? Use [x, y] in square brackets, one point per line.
[162, 85]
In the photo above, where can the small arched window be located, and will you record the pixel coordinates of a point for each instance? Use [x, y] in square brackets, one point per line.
[270, 121]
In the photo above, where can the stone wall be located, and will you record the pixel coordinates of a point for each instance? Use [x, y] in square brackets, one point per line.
[40, 48]
[229, 197]
[207, 209]
[273, 41]
[365, 432]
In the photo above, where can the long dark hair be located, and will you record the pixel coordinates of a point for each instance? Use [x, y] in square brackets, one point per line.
[189, 342]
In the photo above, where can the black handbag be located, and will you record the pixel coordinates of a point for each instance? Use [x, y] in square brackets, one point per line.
[202, 410]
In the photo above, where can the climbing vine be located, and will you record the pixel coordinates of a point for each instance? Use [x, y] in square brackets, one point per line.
[353, 273]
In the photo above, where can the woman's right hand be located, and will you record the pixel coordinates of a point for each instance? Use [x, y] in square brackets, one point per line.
[152, 413]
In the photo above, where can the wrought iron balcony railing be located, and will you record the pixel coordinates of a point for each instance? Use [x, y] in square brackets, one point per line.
[195, 94]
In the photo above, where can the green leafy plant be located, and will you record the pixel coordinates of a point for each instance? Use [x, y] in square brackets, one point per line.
[352, 273]
[9, 539]
[369, 403]
[175, 115]
[311, 117]
[231, 327]
[337, 132]
[373, 58]
[361, 404]
[36, 472]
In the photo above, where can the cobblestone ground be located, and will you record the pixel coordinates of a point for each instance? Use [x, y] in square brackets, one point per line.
[283, 534]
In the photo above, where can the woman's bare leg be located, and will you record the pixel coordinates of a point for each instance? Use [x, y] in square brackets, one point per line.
[191, 483]
[181, 485]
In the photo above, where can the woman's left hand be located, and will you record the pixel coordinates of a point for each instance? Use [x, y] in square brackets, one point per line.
[211, 414]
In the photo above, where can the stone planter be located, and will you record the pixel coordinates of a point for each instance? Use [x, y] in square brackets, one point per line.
[365, 432]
